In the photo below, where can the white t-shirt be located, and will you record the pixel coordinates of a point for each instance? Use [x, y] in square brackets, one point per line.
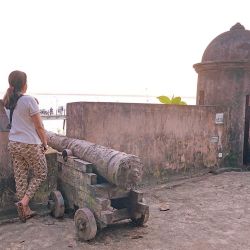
[22, 127]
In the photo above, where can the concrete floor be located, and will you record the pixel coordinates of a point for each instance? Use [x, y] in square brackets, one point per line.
[208, 212]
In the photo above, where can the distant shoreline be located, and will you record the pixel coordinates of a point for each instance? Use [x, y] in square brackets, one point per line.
[54, 100]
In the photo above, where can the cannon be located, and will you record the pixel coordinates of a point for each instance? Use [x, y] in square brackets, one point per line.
[119, 168]
[90, 185]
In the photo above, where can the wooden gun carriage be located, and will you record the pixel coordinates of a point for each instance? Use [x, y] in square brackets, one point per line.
[95, 201]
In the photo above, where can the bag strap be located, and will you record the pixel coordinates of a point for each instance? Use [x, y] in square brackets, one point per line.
[11, 112]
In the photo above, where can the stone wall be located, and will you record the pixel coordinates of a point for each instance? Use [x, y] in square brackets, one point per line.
[6, 172]
[168, 138]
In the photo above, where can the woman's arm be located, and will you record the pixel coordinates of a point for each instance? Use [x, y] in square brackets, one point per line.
[40, 129]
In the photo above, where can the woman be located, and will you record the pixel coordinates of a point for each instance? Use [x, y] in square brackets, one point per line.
[27, 142]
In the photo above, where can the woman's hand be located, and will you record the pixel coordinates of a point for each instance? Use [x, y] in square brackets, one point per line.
[45, 147]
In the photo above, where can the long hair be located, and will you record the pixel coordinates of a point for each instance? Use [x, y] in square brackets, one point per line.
[17, 80]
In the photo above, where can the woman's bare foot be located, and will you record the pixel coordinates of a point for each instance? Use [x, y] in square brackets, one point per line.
[20, 211]
[25, 204]
[28, 212]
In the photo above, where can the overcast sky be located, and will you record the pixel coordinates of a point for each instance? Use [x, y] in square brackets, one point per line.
[112, 46]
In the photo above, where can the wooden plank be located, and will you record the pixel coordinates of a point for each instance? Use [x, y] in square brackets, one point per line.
[109, 191]
[106, 217]
[83, 166]
[69, 162]
[87, 200]
[135, 196]
[120, 214]
[141, 208]
[110, 217]
[75, 177]
[90, 178]
[104, 203]
[74, 162]
[136, 207]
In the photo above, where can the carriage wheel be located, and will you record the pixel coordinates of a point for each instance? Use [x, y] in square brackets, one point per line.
[56, 204]
[85, 224]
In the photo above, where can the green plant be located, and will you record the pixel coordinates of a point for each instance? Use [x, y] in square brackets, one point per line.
[174, 100]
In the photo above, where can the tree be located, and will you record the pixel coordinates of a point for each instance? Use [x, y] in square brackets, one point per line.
[174, 100]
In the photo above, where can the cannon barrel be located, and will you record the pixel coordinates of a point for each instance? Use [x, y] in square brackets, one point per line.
[119, 168]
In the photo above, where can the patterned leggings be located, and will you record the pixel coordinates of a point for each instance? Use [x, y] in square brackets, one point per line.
[24, 157]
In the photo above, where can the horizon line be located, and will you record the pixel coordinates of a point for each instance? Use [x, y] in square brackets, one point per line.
[88, 94]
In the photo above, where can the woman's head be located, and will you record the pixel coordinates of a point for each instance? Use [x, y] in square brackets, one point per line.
[17, 87]
[17, 80]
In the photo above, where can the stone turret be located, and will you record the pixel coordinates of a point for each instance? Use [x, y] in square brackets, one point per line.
[224, 80]
[224, 72]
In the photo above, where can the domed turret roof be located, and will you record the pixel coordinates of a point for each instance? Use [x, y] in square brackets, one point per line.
[233, 45]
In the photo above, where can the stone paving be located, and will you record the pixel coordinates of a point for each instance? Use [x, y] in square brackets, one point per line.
[207, 212]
